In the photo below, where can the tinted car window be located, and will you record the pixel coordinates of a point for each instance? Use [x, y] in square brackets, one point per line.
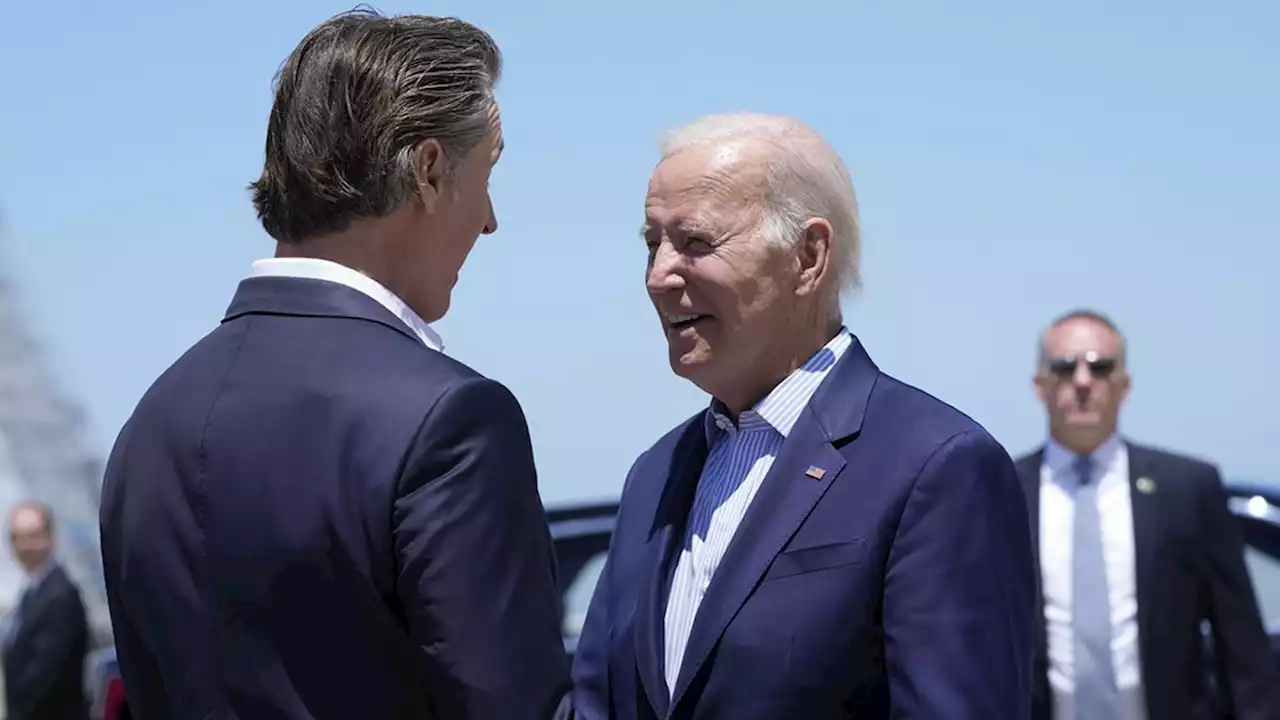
[577, 596]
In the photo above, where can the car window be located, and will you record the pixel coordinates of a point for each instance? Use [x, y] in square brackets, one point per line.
[577, 597]
[1265, 571]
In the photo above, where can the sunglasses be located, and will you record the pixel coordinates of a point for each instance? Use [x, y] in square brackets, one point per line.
[1099, 367]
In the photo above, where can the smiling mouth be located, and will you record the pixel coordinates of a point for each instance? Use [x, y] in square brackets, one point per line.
[677, 323]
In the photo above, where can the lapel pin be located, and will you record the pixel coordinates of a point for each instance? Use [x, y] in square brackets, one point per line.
[815, 472]
[1146, 485]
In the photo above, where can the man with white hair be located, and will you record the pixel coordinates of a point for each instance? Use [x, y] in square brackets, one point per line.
[823, 541]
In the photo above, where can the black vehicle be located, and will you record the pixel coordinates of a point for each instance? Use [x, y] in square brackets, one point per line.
[582, 532]
[1257, 507]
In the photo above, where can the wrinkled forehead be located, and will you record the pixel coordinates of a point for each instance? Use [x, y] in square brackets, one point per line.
[705, 184]
[1081, 335]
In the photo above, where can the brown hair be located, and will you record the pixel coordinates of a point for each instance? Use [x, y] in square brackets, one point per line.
[352, 103]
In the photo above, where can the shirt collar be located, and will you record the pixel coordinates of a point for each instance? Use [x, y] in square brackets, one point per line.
[317, 269]
[1060, 460]
[37, 576]
[780, 409]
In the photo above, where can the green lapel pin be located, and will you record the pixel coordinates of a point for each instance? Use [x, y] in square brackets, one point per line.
[1146, 485]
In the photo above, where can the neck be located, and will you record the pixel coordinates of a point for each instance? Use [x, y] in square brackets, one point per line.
[1079, 445]
[791, 355]
[363, 247]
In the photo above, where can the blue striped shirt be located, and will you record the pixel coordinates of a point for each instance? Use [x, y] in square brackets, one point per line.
[739, 456]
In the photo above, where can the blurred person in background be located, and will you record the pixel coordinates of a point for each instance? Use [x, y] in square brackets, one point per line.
[316, 513]
[822, 541]
[46, 635]
[1137, 548]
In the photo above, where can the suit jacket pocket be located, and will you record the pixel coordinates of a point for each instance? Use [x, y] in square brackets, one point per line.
[813, 559]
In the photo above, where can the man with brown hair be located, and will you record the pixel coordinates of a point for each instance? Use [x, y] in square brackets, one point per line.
[315, 513]
[1137, 549]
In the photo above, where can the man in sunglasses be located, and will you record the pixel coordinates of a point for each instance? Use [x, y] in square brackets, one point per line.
[1137, 549]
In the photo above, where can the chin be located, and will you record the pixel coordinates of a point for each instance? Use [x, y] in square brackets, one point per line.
[1084, 422]
[690, 365]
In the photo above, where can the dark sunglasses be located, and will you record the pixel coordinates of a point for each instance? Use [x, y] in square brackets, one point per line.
[1099, 367]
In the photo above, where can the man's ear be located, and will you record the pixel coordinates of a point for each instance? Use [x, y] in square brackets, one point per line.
[1123, 383]
[814, 255]
[428, 168]
[1040, 382]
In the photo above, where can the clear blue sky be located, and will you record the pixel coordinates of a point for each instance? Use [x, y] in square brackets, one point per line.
[1012, 160]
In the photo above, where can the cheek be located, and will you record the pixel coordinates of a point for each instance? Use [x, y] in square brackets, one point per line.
[735, 297]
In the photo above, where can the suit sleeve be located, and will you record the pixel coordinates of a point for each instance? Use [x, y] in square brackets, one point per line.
[960, 590]
[477, 571]
[1241, 647]
[591, 689]
[53, 649]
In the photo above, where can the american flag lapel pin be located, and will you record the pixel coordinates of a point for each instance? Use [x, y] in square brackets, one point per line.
[815, 472]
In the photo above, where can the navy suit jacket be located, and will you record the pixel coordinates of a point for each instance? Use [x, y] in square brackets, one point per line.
[312, 515]
[899, 584]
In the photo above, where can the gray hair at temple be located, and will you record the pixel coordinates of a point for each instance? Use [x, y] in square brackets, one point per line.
[354, 101]
[1083, 313]
[807, 179]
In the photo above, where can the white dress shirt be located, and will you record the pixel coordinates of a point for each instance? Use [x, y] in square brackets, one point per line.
[1057, 508]
[738, 459]
[316, 269]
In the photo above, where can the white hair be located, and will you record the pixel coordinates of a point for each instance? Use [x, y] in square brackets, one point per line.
[805, 176]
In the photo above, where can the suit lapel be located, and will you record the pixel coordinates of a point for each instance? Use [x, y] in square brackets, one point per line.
[1142, 501]
[665, 536]
[1029, 472]
[786, 497]
[784, 500]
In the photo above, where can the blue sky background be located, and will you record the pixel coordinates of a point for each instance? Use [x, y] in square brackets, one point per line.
[1012, 160]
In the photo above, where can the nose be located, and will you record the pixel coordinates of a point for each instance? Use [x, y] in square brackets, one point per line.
[1082, 380]
[491, 225]
[1082, 376]
[663, 274]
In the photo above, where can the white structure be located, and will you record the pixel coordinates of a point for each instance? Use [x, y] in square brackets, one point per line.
[44, 456]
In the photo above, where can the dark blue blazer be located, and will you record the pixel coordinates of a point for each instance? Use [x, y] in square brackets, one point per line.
[898, 584]
[312, 515]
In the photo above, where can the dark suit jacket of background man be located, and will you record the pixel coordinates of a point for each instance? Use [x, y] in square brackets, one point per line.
[1189, 566]
[44, 664]
[901, 578]
[313, 515]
